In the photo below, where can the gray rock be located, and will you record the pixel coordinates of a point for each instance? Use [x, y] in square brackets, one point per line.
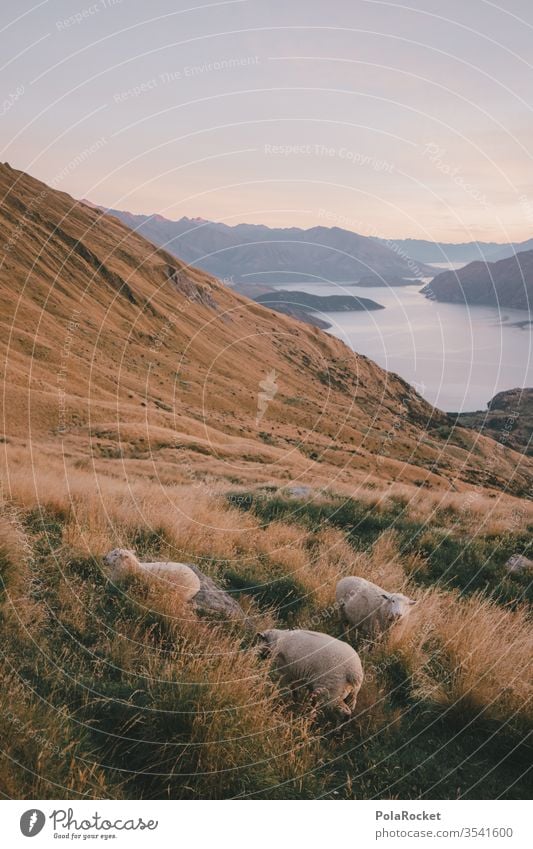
[300, 491]
[518, 563]
[212, 597]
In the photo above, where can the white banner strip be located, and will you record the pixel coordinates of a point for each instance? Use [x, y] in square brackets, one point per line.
[268, 825]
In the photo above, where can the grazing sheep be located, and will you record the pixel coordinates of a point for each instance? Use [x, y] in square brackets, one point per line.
[193, 584]
[122, 561]
[367, 607]
[518, 564]
[316, 663]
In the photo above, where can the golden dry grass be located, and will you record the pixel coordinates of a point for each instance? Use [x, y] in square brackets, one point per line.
[469, 654]
[202, 681]
[478, 638]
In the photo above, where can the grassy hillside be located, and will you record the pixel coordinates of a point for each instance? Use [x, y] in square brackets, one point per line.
[119, 692]
[113, 349]
[146, 405]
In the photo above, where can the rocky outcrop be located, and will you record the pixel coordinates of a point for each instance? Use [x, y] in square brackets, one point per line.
[508, 419]
[193, 291]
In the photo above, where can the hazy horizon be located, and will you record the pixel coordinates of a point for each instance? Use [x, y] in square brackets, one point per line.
[236, 112]
[238, 222]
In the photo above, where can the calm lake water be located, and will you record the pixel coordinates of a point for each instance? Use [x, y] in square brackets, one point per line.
[457, 357]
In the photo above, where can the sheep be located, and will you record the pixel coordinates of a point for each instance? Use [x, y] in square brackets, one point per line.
[123, 561]
[518, 564]
[369, 608]
[315, 663]
[194, 586]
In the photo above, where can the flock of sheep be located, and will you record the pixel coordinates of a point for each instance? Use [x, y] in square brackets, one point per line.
[326, 669]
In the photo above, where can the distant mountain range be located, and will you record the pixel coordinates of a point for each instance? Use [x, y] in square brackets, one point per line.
[506, 283]
[440, 252]
[253, 253]
[256, 254]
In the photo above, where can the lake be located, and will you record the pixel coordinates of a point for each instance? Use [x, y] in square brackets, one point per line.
[457, 357]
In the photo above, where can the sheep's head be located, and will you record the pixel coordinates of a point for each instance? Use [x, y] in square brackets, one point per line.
[120, 560]
[397, 606]
[266, 641]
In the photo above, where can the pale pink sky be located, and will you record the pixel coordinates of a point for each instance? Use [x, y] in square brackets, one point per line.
[397, 120]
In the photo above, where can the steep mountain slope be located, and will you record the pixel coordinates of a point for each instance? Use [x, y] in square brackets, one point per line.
[506, 283]
[113, 350]
[255, 253]
[139, 397]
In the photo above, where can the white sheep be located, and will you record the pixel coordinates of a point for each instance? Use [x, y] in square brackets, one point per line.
[122, 561]
[193, 585]
[369, 608]
[315, 663]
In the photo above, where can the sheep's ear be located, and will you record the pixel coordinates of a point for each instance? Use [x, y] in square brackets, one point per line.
[262, 636]
[412, 601]
[386, 595]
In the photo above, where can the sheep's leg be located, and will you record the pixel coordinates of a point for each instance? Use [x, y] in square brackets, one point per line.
[351, 632]
[343, 711]
[342, 617]
[350, 701]
[320, 696]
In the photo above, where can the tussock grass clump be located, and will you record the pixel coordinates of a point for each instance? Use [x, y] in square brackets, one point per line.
[475, 564]
[15, 549]
[469, 655]
[440, 549]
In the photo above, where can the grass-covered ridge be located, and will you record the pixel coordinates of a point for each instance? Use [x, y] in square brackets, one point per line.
[120, 692]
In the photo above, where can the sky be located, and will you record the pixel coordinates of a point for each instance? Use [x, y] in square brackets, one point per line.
[389, 119]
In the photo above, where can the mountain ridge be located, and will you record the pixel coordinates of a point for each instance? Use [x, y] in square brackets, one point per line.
[508, 418]
[261, 254]
[414, 254]
[429, 251]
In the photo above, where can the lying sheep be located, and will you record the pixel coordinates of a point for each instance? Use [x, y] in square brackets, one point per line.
[518, 564]
[193, 585]
[122, 561]
[369, 608]
[309, 661]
